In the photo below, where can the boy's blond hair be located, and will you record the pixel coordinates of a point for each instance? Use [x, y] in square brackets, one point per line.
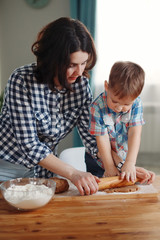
[126, 79]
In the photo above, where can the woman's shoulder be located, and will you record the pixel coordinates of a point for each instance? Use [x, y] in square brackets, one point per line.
[23, 75]
[28, 69]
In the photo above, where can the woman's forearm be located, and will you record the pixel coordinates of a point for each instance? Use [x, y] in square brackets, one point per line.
[54, 164]
[85, 182]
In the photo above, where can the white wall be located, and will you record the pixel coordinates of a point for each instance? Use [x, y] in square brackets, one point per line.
[19, 25]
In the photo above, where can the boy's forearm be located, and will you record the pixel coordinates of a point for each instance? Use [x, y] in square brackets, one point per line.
[116, 158]
[134, 139]
[104, 150]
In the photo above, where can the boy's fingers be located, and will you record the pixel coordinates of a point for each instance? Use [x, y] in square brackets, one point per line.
[123, 175]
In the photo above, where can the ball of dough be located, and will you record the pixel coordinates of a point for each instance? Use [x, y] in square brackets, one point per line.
[61, 184]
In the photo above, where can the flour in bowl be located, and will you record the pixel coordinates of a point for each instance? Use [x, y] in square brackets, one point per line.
[28, 196]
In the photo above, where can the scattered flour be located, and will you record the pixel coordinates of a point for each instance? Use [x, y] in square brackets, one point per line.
[29, 196]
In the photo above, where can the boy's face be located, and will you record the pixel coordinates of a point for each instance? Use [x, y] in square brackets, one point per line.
[117, 104]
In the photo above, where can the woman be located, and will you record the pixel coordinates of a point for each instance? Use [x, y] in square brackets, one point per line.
[44, 101]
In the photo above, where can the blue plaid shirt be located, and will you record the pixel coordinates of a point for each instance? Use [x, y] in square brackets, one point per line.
[105, 121]
[34, 119]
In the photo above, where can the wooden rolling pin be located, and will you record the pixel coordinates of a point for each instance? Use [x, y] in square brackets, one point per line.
[114, 182]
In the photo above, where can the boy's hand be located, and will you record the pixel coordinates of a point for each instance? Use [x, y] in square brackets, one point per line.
[128, 171]
[111, 171]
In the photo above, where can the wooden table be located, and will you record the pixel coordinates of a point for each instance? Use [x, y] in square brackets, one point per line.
[84, 218]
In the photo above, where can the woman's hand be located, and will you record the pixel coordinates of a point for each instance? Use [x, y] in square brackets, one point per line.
[85, 182]
[146, 176]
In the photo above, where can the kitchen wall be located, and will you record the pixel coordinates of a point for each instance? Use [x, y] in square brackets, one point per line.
[19, 25]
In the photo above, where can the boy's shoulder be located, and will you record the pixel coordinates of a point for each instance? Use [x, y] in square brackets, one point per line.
[99, 100]
[137, 102]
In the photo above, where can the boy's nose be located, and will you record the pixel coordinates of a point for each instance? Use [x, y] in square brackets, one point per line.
[118, 108]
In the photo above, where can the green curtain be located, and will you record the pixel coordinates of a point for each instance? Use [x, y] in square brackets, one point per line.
[85, 11]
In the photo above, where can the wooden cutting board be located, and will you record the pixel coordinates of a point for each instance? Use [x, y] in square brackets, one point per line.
[145, 191]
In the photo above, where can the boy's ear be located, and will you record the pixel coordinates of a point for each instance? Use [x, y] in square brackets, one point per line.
[106, 85]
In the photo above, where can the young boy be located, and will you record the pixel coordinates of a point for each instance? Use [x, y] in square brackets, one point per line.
[116, 120]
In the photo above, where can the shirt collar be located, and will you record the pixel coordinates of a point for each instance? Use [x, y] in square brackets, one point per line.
[47, 90]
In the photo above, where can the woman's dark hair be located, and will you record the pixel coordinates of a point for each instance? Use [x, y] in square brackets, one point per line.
[55, 42]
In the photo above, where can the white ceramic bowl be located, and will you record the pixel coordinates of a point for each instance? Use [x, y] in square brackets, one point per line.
[28, 193]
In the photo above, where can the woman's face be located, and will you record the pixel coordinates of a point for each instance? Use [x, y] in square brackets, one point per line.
[78, 61]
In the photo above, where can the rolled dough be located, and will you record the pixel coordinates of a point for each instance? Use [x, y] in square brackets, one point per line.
[132, 188]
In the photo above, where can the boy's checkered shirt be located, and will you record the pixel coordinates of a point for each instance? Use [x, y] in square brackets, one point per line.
[105, 121]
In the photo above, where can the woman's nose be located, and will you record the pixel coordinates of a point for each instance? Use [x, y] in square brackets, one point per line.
[79, 70]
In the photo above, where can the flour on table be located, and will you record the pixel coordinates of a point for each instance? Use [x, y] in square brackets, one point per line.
[144, 189]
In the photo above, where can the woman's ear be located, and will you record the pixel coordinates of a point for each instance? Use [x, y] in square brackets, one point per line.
[106, 85]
